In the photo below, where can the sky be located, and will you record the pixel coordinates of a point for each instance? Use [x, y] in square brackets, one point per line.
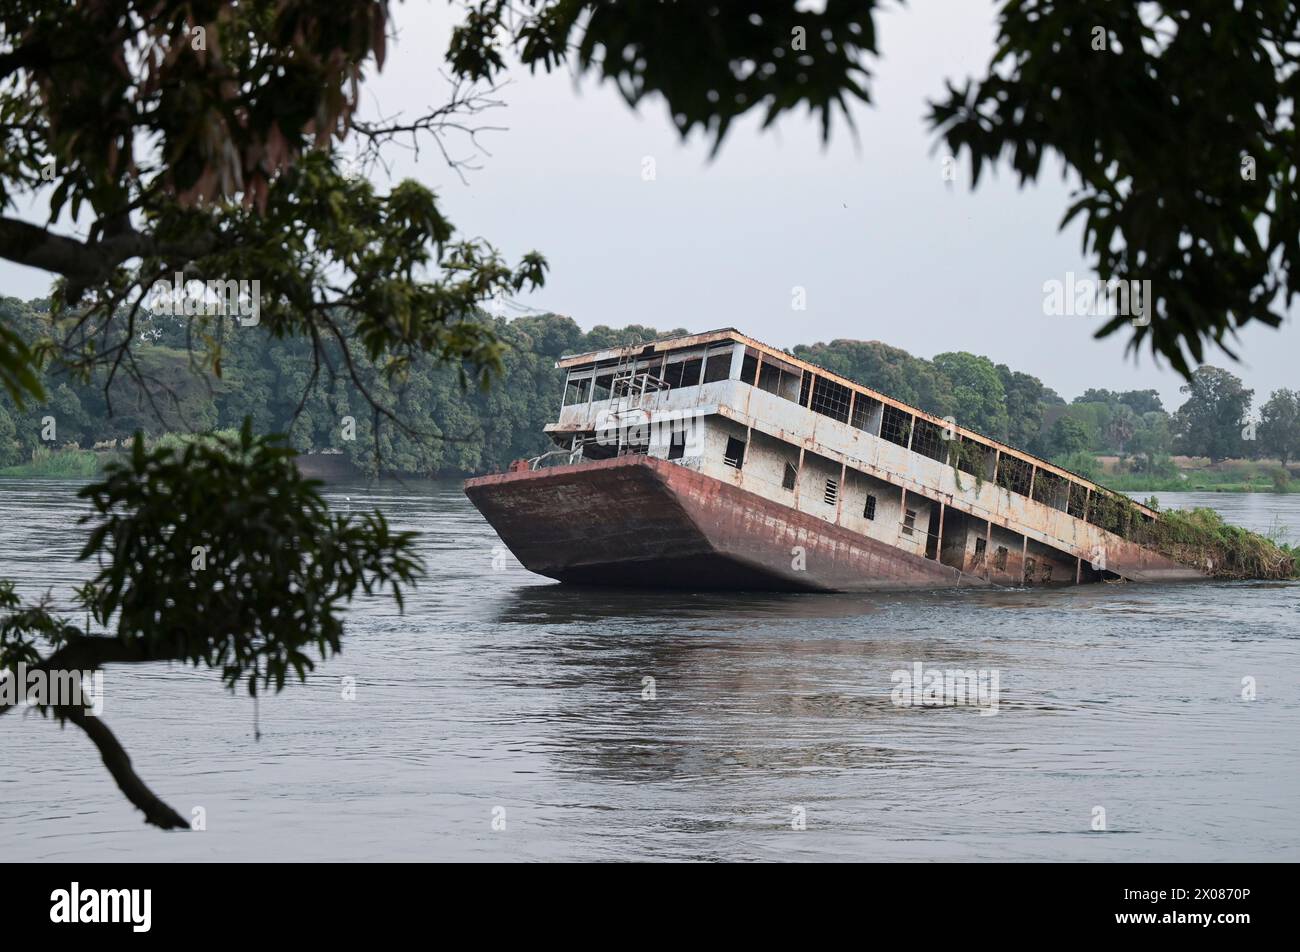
[884, 248]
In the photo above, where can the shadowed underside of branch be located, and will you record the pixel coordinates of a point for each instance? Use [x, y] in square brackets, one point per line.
[156, 812]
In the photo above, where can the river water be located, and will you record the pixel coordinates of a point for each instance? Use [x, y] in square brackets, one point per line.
[506, 717]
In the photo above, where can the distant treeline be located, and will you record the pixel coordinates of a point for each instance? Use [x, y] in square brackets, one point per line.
[462, 428]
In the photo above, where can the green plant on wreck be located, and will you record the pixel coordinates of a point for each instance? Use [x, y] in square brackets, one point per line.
[971, 454]
[1113, 512]
[1201, 537]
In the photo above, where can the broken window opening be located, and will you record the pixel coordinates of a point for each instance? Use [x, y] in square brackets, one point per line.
[735, 453]
[1111, 512]
[677, 445]
[975, 458]
[718, 366]
[577, 391]
[896, 426]
[932, 532]
[1051, 489]
[1078, 504]
[865, 410]
[683, 373]
[1015, 474]
[831, 399]
[749, 366]
[691, 371]
[1000, 558]
[909, 522]
[981, 548]
[654, 367]
[927, 439]
[791, 475]
[778, 378]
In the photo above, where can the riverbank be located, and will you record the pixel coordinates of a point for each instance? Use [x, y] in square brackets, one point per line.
[1190, 475]
[88, 464]
[1198, 475]
[62, 464]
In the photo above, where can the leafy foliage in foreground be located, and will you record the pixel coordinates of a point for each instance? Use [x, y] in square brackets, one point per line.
[1177, 121]
[712, 63]
[247, 569]
[216, 554]
[203, 140]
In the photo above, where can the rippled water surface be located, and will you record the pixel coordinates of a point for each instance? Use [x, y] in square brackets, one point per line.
[501, 694]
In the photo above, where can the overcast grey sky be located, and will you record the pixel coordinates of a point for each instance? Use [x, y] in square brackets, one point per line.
[885, 248]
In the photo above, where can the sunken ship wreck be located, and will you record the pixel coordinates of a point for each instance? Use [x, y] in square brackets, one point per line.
[714, 461]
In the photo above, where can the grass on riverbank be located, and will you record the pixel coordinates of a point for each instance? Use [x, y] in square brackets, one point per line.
[1236, 476]
[66, 464]
[72, 463]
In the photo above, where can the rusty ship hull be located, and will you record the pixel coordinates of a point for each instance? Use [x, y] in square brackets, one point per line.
[639, 522]
[644, 523]
[713, 461]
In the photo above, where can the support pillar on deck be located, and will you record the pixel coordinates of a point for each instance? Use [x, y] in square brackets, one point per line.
[902, 512]
[839, 499]
[798, 479]
[988, 550]
[938, 545]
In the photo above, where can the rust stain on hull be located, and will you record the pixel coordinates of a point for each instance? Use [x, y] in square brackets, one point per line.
[643, 522]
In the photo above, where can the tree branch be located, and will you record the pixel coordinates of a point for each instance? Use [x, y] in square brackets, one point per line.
[118, 763]
[91, 653]
[86, 263]
[467, 99]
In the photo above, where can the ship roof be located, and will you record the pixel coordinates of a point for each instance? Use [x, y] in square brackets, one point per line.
[675, 342]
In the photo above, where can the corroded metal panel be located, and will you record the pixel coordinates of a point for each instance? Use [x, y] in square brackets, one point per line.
[640, 521]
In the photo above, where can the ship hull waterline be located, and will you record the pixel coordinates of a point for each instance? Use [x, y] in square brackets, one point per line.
[643, 522]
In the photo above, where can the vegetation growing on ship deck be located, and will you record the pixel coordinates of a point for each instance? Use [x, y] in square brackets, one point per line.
[967, 456]
[1201, 537]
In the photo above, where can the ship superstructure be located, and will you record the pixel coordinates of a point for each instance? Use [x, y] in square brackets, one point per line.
[716, 461]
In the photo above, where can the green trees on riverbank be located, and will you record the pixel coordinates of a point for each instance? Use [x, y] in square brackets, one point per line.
[455, 426]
